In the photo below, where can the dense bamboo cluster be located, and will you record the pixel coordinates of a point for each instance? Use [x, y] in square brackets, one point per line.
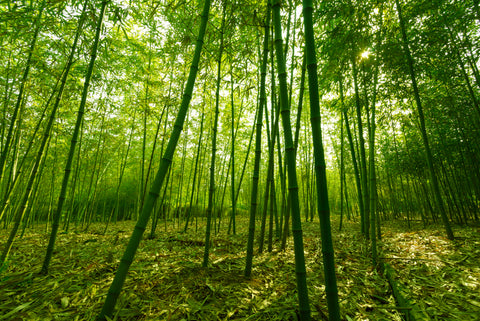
[166, 113]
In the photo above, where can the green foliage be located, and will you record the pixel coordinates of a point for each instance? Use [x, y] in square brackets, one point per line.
[144, 53]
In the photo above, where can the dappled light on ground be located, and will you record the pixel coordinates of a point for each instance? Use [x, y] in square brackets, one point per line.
[167, 282]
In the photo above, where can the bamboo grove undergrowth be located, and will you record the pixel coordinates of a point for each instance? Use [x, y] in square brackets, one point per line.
[392, 132]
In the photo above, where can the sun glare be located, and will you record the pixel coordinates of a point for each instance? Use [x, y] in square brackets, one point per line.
[365, 54]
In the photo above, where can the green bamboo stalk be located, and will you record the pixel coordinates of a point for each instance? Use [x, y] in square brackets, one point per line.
[304, 306]
[70, 212]
[152, 154]
[274, 117]
[272, 213]
[246, 157]
[194, 174]
[123, 165]
[165, 189]
[6, 100]
[153, 194]
[40, 152]
[10, 191]
[295, 143]
[371, 157]
[362, 155]
[423, 130]
[68, 166]
[342, 170]
[211, 190]
[258, 147]
[320, 168]
[144, 141]
[29, 209]
[371, 172]
[232, 158]
[15, 115]
[353, 154]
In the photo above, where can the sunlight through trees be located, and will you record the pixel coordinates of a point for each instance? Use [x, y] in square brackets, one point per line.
[96, 96]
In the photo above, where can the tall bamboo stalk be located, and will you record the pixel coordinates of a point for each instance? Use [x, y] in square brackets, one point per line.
[258, 147]
[68, 166]
[301, 273]
[423, 130]
[153, 194]
[40, 153]
[15, 115]
[323, 207]
[211, 189]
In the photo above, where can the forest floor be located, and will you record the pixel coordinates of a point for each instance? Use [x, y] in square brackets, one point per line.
[166, 280]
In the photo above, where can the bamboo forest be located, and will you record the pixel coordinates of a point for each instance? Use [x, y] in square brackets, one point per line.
[239, 160]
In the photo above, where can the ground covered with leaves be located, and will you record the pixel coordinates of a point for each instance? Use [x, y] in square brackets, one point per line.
[440, 278]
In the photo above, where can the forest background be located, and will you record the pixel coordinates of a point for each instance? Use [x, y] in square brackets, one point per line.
[91, 91]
